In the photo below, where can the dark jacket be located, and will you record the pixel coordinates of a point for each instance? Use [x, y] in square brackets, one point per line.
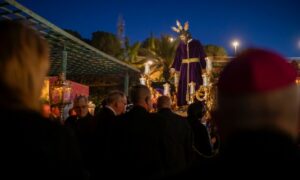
[35, 148]
[84, 129]
[265, 148]
[105, 123]
[202, 145]
[262, 153]
[177, 141]
[106, 144]
[142, 145]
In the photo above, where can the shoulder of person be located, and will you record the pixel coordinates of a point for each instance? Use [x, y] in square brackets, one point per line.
[71, 119]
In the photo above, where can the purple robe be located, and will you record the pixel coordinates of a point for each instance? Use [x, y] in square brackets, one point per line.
[196, 50]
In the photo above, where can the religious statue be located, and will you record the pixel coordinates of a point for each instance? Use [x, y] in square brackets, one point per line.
[189, 62]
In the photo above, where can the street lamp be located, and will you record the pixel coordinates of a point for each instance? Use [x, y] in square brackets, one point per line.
[235, 45]
[171, 39]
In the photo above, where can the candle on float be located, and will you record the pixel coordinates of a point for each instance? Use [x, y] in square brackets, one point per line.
[208, 64]
[176, 79]
[166, 89]
[205, 80]
[143, 80]
[147, 68]
[192, 88]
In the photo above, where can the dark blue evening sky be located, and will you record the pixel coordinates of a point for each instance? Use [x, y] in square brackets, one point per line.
[273, 24]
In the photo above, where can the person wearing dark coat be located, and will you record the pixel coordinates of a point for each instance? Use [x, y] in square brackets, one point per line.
[177, 137]
[107, 140]
[201, 138]
[32, 147]
[38, 148]
[142, 147]
[257, 117]
[83, 125]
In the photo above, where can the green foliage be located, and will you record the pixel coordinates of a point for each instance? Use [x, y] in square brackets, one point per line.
[213, 50]
[74, 33]
[88, 41]
[130, 54]
[166, 49]
[78, 35]
[133, 51]
[96, 99]
[106, 42]
[151, 43]
[161, 51]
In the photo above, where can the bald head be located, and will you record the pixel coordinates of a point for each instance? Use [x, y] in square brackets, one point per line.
[114, 96]
[164, 102]
[117, 101]
[141, 95]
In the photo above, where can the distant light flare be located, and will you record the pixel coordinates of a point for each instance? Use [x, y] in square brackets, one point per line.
[235, 44]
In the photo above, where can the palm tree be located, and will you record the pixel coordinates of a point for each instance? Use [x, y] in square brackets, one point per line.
[131, 55]
[161, 52]
[166, 51]
[215, 51]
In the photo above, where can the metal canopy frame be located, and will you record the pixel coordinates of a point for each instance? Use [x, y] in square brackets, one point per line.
[82, 58]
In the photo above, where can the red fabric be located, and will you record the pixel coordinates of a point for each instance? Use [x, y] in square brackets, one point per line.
[256, 71]
[77, 88]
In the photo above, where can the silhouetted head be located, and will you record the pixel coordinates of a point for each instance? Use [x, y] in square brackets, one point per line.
[164, 102]
[257, 91]
[141, 95]
[118, 101]
[81, 106]
[195, 111]
[24, 63]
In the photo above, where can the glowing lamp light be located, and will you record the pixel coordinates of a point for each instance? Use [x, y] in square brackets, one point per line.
[235, 44]
[60, 92]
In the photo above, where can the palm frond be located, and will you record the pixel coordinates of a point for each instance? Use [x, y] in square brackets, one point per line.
[186, 26]
[178, 25]
[175, 29]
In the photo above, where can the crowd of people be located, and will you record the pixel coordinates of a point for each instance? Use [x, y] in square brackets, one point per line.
[257, 118]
